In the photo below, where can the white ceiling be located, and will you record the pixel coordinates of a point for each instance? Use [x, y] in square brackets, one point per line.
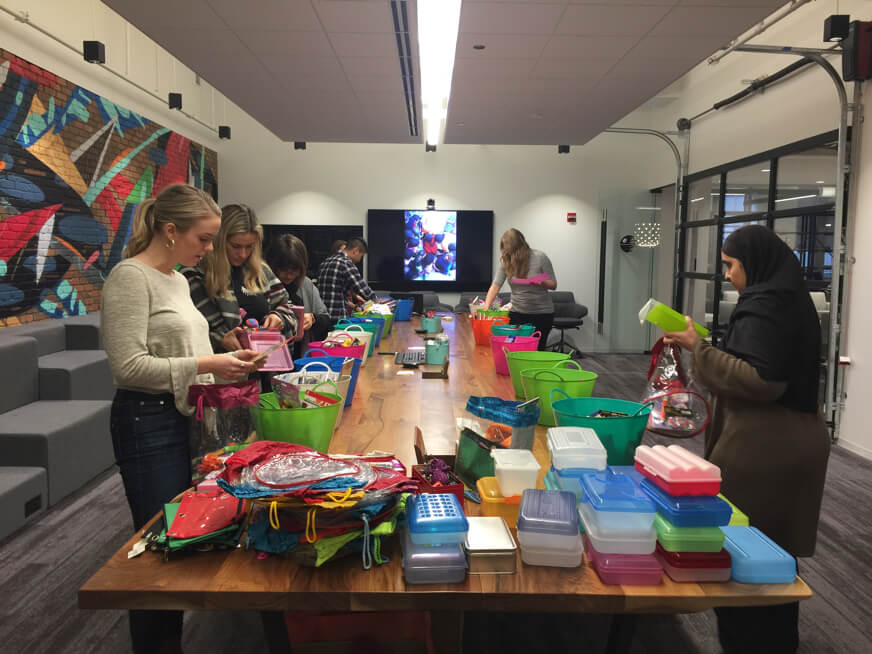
[552, 71]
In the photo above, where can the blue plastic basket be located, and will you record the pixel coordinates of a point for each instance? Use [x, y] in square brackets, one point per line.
[335, 364]
[404, 309]
[504, 411]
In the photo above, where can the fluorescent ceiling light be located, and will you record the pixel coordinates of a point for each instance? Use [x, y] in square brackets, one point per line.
[820, 181]
[648, 208]
[798, 197]
[438, 25]
[697, 199]
[828, 225]
[764, 170]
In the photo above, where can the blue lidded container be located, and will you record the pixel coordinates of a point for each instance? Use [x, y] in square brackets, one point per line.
[548, 528]
[688, 511]
[436, 519]
[756, 558]
[617, 500]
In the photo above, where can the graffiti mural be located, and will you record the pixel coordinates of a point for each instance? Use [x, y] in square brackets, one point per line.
[73, 168]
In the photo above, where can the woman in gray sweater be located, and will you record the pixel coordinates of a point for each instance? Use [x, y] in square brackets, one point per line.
[158, 345]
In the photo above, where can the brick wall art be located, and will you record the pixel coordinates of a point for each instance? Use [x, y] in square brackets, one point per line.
[73, 168]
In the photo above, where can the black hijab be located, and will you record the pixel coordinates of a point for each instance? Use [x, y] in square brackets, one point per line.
[775, 326]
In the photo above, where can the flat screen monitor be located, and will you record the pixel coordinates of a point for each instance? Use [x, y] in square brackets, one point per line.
[438, 250]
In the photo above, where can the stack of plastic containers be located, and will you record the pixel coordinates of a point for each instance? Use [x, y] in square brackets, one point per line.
[618, 526]
[574, 451]
[684, 487]
[432, 544]
[548, 529]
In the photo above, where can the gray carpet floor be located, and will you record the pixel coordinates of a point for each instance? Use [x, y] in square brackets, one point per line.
[43, 565]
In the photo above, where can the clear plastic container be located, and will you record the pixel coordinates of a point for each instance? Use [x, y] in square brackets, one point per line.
[436, 519]
[561, 558]
[629, 471]
[494, 503]
[516, 470]
[678, 471]
[688, 511]
[618, 501]
[615, 540]
[629, 569]
[548, 519]
[737, 519]
[576, 448]
[569, 479]
[432, 564]
[550, 480]
[667, 318]
[756, 558]
[695, 567]
[687, 539]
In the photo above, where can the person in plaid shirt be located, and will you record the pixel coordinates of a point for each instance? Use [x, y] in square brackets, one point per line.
[338, 277]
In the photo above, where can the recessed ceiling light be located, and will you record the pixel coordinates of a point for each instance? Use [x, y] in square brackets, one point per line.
[764, 170]
[478, 46]
[828, 225]
[820, 181]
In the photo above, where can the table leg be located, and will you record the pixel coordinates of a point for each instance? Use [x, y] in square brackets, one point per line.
[276, 632]
[621, 633]
[446, 628]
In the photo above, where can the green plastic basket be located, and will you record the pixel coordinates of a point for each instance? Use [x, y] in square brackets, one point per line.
[539, 382]
[310, 427]
[492, 314]
[620, 436]
[512, 330]
[522, 360]
[388, 318]
[369, 327]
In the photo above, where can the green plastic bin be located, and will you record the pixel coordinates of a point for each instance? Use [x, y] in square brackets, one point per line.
[667, 318]
[620, 436]
[388, 318]
[539, 382]
[310, 427]
[522, 360]
[513, 330]
[492, 313]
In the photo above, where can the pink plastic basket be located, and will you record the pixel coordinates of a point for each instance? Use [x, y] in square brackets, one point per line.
[502, 344]
[333, 348]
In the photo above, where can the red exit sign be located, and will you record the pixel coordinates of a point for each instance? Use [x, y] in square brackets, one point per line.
[570, 218]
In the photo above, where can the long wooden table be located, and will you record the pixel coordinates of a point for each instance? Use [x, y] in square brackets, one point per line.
[386, 409]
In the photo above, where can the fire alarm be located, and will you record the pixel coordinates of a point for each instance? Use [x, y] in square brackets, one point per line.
[570, 218]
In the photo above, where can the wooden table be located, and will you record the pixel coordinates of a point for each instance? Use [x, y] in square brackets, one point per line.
[386, 408]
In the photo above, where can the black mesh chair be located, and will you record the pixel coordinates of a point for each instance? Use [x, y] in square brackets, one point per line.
[568, 314]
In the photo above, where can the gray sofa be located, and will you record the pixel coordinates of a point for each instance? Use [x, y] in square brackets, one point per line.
[54, 414]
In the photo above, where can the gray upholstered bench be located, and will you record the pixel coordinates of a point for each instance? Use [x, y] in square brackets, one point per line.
[23, 495]
[75, 375]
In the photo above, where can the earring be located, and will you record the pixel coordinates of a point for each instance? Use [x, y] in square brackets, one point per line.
[171, 243]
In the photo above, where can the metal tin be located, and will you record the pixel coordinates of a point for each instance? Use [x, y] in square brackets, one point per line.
[490, 547]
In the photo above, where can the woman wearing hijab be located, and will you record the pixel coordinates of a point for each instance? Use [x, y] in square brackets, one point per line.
[766, 432]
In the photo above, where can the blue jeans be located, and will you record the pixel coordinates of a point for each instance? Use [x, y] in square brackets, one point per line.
[150, 438]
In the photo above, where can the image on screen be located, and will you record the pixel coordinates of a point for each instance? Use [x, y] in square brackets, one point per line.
[430, 245]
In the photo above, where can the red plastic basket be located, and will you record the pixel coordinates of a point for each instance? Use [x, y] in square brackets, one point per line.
[481, 328]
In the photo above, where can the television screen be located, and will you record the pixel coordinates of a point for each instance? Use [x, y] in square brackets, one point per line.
[430, 245]
[434, 250]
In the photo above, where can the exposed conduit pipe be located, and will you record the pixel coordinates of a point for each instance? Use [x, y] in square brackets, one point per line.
[759, 28]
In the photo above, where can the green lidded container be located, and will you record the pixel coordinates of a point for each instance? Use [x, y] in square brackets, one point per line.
[667, 318]
[737, 518]
[512, 330]
[311, 427]
[687, 539]
[619, 435]
[522, 360]
[573, 381]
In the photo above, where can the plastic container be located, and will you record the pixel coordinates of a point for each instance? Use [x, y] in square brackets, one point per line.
[565, 375]
[356, 332]
[628, 569]
[515, 470]
[547, 519]
[336, 364]
[490, 547]
[494, 503]
[757, 559]
[481, 328]
[311, 427]
[519, 361]
[435, 351]
[436, 519]
[428, 564]
[371, 325]
[431, 325]
[688, 511]
[335, 349]
[617, 501]
[628, 471]
[620, 435]
[512, 330]
[617, 540]
[678, 471]
[455, 487]
[569, 479]
[695, 567]
[737, 518]
[575, 447]
[501, 345]
[261, 340]
[687, 539]
[569, 557]
[404, 310]
[550, 480]
[667, 318]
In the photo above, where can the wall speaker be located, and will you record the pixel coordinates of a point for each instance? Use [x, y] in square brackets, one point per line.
[94, 52]
[429, 148]
[223, 131]
[562, 149]
[299, 145]
[175, 100]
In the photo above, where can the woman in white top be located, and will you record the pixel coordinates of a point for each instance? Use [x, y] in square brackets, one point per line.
[158, 345]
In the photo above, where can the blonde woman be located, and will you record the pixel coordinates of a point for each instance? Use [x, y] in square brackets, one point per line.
[531, 303]
[234, 276]
[158, 345]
